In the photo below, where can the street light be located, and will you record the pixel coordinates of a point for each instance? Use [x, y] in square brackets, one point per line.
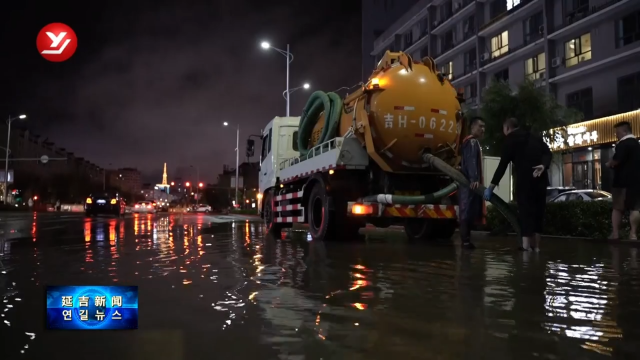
[286, 94]
[5, 179]
[238, 144]
[265, 45]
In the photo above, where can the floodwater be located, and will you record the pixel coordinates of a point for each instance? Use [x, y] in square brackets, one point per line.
[222, 290]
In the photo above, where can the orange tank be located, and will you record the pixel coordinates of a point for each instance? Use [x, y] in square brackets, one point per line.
[404, 108]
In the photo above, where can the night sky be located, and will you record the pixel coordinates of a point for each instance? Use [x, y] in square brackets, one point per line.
[153, 81]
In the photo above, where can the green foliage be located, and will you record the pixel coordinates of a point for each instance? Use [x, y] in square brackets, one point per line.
[535, 110]
[588, 219]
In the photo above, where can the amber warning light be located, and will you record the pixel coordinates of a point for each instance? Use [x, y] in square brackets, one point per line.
[375, 83]
[359, 209]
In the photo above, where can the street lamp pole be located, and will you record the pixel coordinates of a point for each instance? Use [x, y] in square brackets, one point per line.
[288, 62]
[5, 179]
[197, 184]
[237, 160]
[237, 155]
[287, 93]
[289, 56]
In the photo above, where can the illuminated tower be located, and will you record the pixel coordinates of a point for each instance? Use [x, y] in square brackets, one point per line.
[164, 175]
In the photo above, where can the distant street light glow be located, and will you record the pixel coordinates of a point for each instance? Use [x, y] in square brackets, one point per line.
[265, 45]
[22, 116]
[225, 123]
[306, 86]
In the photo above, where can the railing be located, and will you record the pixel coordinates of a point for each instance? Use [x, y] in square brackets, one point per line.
[506, 14]
[509, 52]
[533, 37]
[451, 14]
[315, 151]
[584, 13]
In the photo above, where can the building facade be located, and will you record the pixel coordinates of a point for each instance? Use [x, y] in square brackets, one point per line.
[583, 149]
[126, 179]
[377, 17]
[24, 144]
[585, 52]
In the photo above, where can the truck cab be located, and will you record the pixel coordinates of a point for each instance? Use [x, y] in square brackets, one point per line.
[279, 142]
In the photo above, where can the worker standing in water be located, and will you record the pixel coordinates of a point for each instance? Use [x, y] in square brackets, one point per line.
[471, 205]
[531, 158]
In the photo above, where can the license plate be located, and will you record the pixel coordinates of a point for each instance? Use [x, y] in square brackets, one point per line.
[102, 201]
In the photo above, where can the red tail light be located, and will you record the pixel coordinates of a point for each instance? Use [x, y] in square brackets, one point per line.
[137, 205]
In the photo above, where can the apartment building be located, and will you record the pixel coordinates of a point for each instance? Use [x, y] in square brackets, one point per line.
[585, 52]
[377, 16]
[27, 145]
[126, 179]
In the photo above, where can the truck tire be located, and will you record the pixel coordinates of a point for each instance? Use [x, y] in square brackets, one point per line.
[269, 216]
[327, 224]
[429, 229]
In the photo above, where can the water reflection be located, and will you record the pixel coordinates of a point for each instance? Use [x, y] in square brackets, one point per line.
[298, 297]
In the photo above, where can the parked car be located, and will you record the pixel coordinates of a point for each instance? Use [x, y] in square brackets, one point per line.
[583, 195]
[104, 203]
[144, 207]
[553, 191]
[201, 208]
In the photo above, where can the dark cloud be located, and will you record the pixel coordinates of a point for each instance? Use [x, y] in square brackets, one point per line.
[164, 77]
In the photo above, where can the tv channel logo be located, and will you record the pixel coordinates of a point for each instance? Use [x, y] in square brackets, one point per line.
[57, 42]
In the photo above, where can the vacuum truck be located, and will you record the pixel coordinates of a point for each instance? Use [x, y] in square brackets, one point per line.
[384, 154]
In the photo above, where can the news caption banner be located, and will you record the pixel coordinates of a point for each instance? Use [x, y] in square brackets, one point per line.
[92, 307]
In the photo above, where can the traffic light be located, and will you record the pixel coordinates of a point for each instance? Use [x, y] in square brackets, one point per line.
[250, 147]
[201, 185]
[187, 184]
[172, 183]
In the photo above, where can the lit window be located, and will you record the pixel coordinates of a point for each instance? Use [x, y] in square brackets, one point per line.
[534, 67]
[512, 3]
[577, 50]
[500, 45]
[447, 70]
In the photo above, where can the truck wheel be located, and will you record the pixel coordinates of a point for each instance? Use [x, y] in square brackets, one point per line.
[327, 224]
[429, 229]
[444, 229]
[269, 215]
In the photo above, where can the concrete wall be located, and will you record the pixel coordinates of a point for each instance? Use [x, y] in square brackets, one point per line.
[604, 85]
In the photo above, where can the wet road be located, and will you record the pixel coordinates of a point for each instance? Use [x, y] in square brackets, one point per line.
[213, 289]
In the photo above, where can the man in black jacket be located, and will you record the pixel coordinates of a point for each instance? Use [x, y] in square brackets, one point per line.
[531, 158]
[626, 180]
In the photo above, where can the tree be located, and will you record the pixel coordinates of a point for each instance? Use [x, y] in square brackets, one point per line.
[535, 110]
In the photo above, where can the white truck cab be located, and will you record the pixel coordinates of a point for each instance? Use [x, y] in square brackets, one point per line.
[279, 142]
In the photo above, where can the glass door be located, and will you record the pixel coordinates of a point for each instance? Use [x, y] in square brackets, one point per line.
[583, 175]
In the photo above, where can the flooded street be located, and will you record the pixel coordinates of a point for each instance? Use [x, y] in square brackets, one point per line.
[214, 289]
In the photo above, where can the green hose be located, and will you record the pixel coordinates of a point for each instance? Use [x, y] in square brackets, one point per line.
[319, 101]
[457, 176]
[412, 200]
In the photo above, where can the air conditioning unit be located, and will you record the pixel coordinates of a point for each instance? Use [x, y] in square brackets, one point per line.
[555, 62]
[484, 57]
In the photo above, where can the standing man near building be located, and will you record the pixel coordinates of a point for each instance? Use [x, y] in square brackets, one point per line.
[531, 158]
[471, 205]
[626, 180]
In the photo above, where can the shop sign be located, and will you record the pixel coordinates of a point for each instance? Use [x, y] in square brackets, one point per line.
[581, 136]
[575, 136]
